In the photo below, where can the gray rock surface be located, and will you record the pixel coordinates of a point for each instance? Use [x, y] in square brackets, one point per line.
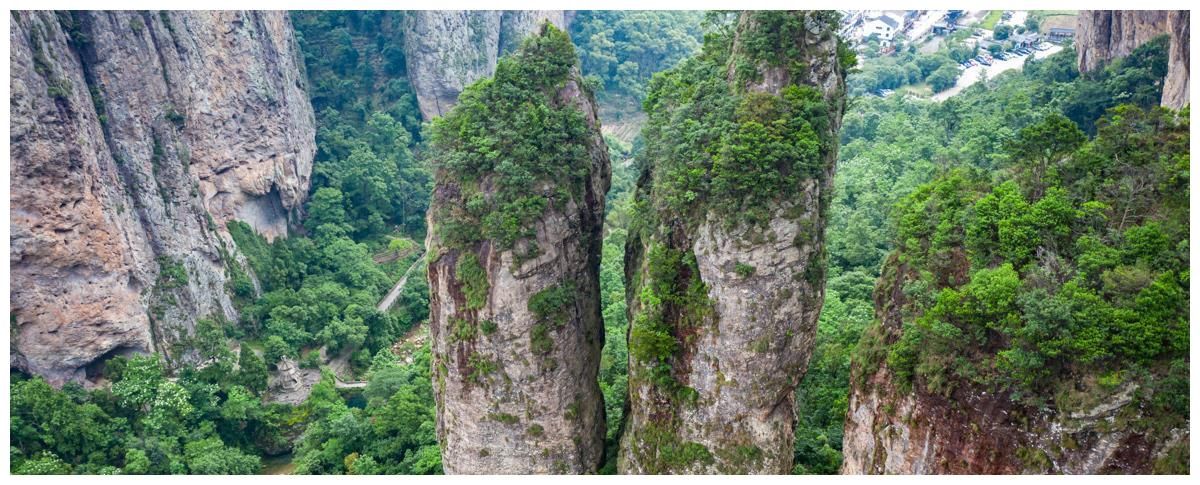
[502, 406]
[1177, 88]
[746, 358]
[447, 50]
[135, 137]
[1103, 35]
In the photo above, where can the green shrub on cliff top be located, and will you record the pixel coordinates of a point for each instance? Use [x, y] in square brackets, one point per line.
[711, 146]
[510, 130]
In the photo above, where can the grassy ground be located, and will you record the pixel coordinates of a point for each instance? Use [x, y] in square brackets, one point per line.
[1055, 18]
[989, 22]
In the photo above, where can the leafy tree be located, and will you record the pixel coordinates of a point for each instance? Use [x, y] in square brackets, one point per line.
[211, 457]
[252, 371]
[943, 78]
[1002, 32]
[1040, 147]
[276, 348]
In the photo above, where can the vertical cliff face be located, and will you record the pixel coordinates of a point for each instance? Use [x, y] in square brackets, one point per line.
[1103, 35]
[725, 264]
[1177, 88]
[514, 253]
[135, 137]
[446, 50]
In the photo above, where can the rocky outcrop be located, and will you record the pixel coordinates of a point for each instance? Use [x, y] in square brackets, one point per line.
[135, 137]
[1177, 87]
[447, 50]
[890, 430]
[1103, 35]
[515, 325]
[724, 311]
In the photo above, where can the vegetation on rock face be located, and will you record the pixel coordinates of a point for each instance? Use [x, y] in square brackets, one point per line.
[713, 149]
[1010, 126]
[1014, 257]
[520, 176]
[511, 135]
[1078, 269]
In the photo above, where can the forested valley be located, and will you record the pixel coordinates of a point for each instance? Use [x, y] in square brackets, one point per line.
[1035, 224]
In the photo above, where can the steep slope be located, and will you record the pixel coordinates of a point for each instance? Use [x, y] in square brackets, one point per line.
[447, 50]
[1103, 35]
[724, 262]
[514, 254]
[135, 137]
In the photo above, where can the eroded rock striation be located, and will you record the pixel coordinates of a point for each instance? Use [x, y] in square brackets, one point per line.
[1177, 87]
[1103, 35]
[135, 137]
[724, 264]
[447, 50]
[514, 253]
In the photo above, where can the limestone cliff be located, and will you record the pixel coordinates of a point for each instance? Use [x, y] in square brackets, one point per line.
[135, 137]
[447, 50]
[1102, 35]
[725, 281]
[514, 254]
[890, 430]
[1177, 88]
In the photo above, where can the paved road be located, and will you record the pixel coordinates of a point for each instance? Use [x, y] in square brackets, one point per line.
[388, 300]
[348, 385]
[973, 74]
[923, 25]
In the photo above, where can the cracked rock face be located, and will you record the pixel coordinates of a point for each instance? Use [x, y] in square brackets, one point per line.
[135, 137]
[740, 365]
[447, 50]
[516, 387]
[1103, 35]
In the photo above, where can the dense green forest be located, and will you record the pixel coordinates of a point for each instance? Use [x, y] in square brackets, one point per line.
[1042, 216]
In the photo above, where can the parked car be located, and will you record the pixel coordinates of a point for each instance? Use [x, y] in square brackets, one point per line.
[983, 60]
